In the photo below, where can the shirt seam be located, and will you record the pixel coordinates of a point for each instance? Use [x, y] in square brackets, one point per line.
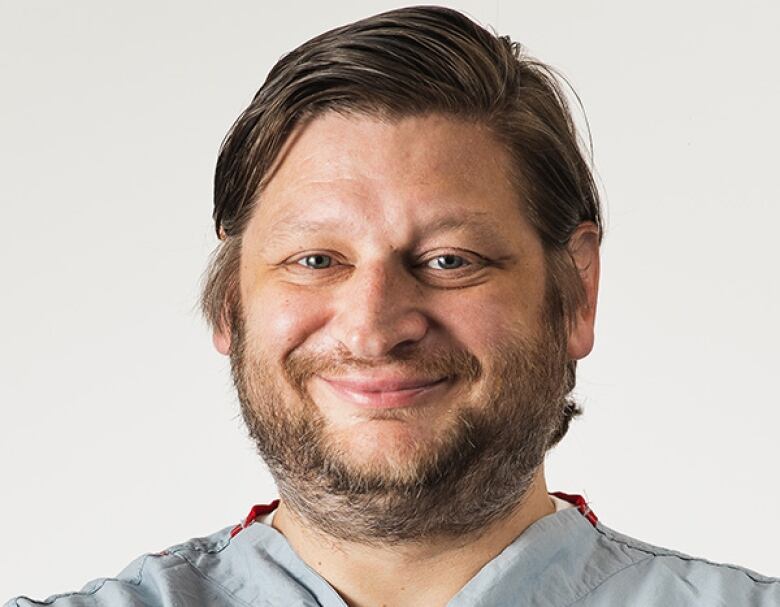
[136, 581]
[212, 548]
[684, 557]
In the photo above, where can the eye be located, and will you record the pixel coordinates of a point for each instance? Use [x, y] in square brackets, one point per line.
[318, 261]
[447, 262]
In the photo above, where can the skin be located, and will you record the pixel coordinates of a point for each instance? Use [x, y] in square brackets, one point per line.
[380, 184]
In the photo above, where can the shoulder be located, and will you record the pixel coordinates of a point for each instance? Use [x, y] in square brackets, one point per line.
[651, 575]
[172, 576]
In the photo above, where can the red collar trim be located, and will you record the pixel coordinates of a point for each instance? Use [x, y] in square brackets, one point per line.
[581, 504]
[263, 509]
[257, 510]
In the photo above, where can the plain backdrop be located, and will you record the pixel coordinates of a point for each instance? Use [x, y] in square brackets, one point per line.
[119, 430]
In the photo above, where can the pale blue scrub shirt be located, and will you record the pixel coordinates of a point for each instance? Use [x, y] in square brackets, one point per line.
[565, 559]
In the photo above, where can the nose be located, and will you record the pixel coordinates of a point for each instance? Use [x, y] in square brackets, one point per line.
[379, 310]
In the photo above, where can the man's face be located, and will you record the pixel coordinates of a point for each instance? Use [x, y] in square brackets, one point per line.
[394, 338]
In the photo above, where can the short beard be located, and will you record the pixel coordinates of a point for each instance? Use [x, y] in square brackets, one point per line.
[478, 473]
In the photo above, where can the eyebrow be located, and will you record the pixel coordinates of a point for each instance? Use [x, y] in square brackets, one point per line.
[470, 220]
[486, 231]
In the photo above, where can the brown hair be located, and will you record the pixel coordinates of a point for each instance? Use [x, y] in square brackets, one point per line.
[404, 62]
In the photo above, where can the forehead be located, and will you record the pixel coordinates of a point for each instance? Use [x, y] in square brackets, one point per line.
[362, 169]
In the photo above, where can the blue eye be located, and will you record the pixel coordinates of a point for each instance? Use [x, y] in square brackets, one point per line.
[447, 262]
[318, 261]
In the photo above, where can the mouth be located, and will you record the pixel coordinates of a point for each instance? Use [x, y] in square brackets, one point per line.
[387, 394]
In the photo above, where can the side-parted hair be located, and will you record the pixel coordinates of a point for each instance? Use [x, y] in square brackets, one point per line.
[410, 62]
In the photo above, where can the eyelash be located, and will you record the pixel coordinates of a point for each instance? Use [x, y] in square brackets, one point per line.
[465, 261]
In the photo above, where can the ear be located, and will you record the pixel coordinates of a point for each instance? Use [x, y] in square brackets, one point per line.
[584, 249]
[221, 339]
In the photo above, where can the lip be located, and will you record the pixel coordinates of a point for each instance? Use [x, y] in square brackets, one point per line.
[386, 393]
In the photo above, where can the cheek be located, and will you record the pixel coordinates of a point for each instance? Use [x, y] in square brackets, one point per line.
[280, 321]
[483, 322]
[479, 326]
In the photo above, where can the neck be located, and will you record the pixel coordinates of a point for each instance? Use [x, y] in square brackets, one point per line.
[401, 574]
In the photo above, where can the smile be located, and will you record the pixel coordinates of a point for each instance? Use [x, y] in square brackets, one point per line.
[386, 394]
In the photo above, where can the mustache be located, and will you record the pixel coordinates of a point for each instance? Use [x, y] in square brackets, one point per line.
[438, 362]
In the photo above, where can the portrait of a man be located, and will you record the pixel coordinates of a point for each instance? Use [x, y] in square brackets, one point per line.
[406, 276]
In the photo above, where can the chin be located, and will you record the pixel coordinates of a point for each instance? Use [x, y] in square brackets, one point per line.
[387, 448]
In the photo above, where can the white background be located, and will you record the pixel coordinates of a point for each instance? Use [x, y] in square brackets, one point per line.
[119, 429]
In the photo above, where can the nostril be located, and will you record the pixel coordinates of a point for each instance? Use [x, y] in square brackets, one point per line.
[406, 347]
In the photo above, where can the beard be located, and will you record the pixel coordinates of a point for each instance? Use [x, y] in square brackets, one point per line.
[477, 469]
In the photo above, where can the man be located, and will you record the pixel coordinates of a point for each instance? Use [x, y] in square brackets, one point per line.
[407, 276]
